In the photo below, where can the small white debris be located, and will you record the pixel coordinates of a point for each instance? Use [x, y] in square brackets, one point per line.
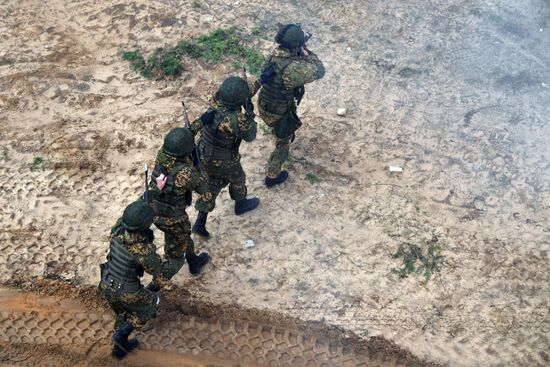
[248, 244]
[544, 84]
[540, 30]
[206, 18]
[321, 195]
[396, 169]
[46, 45]
[341, 112]
[348, 49]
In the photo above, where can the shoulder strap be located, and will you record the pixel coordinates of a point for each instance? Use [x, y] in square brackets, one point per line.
[234, 121]
[284, 64]
[171, 181]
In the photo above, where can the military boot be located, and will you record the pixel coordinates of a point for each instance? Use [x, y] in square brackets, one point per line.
[270, 182]
[197, 263]
[246, 205]
[122, 345]
[152, 287]
[200, 225]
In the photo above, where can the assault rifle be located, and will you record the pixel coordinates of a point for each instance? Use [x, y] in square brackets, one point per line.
[248, 106]
[146, 193]
[195, 154]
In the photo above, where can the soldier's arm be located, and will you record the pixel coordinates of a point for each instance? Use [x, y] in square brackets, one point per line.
[254, 85]
[194, 180]
[200, 182]
[246, 127]
[302, 71]
[145, 254]
[205, 119]
[196, 126]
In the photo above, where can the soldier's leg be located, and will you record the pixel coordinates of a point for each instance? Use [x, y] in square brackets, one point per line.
[238, 190]
[179, 244]
[139, 307]
[132, 310]
[237, 182]
[177, 235]
[279, 156]
[215, 184]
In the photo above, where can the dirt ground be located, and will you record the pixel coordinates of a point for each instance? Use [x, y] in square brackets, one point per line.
[456, 92]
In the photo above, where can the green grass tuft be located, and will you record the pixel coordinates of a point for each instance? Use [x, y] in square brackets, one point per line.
[217, 46]
[426, 259]
[39, 163]
[312, 178]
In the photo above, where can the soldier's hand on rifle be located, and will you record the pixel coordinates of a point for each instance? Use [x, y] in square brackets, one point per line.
[249, 108]
[161, 181]
[208, 117]
[304, 50]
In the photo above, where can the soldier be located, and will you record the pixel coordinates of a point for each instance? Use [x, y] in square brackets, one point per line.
[219, 147]
[290, 66]
[173, 180]
[131, 253]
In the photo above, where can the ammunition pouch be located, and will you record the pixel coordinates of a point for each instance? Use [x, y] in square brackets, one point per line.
[172, 208]
[287, 126]
[116, 284]
[213, 146]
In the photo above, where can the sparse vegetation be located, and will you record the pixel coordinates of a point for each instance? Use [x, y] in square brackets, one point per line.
[39, 163]
[312, 178]
[266, 130]
[217, 46]
[426, 259]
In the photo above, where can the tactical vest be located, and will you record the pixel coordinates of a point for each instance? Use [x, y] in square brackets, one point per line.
[274, 97]
[214, 146]
[121, 272]
[170, 202]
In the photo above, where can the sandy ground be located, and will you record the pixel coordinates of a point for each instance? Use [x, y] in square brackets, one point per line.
[456, 92]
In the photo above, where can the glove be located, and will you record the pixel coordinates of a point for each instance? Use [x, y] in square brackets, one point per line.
[208, 117]
[267, 74]
[150, 235]
[249, 108]
[151, 287]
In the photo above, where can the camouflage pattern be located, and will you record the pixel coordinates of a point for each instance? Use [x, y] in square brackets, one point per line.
[177, 231]
[189, 178]
[136, 308]
[223, 173]
[177, 236]
[145, 254]
[302, 70]
[139, 307]
[278, 156]
[229, 172]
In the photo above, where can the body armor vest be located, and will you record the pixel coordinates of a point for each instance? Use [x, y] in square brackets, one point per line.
[213, 145]
[169, 202]
[121, 272]
[274, 97]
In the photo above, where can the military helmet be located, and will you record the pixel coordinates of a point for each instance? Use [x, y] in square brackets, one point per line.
[137, 216]
[233, 91]
[179, 142]
[291, 36]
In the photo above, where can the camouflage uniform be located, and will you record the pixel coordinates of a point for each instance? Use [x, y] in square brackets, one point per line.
[141, 305]
[224, 168]
[219, 143]
[290, 71]
[131, 253]
[172, 219]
